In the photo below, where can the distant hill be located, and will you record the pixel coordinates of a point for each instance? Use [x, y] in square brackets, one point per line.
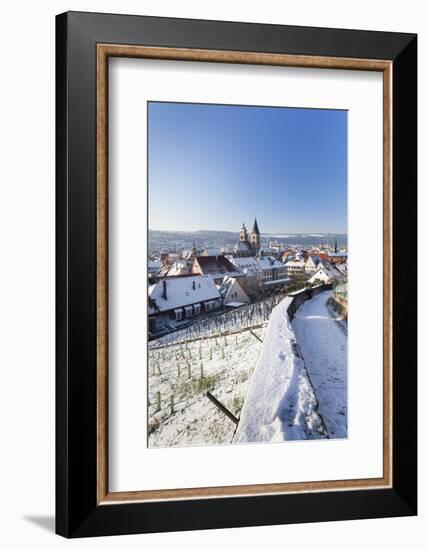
[208, 238]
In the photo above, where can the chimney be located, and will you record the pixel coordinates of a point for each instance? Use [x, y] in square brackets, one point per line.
[194, 285]
[164, 295]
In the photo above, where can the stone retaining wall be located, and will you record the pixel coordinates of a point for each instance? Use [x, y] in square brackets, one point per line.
[300, 297]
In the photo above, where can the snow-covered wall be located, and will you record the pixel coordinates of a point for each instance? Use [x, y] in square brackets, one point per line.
[280, 403]
[300, 296]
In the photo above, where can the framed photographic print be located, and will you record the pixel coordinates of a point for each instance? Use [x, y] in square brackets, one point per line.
[236, 321]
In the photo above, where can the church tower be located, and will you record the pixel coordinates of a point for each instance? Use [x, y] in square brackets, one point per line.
[255, 237]
[243, 235]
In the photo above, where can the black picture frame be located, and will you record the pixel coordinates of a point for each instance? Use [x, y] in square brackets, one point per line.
[77, 511]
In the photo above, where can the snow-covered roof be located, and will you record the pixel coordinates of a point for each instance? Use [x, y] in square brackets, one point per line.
[343, 268]
[217, 266]
[227, 285]
[315, 259]
[181, 291]
[257, 264]
[179, 267]
[154, 265]
[187, 254]
[326, 273]
[295, 263]
[242, 246]
[269, 262]
[245, 262]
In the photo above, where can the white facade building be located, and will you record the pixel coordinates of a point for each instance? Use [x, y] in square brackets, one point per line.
[180, 298]
[295, 267]
[265, 270]
[327, 274]
[312, 264]
[232, 293]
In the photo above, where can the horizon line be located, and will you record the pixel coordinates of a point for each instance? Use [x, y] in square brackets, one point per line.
[310, 233]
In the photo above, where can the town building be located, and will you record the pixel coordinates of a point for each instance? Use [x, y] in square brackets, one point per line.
[216, 267]
[312, 264]
[261, 273]
[286, 255]
[175, 300]
[337, 257]
[274, 271]
[232, 293]
[154, 266]
[249, 244]
[343, 268]
[327, 273]
[179, 267]
[295, 267]
[175, 264]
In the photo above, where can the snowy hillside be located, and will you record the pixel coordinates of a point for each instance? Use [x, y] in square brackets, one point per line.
[181, 374]
[284, 381]
[246, 317]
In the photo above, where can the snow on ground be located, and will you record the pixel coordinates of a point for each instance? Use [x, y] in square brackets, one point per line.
[252, 315]
[179, 412]
[323, 344]
[285, 398]
[280, 403]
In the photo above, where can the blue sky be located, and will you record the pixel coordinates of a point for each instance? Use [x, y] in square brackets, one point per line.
[216, 166]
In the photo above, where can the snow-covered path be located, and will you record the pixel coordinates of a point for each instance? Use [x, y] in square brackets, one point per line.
[323, 344]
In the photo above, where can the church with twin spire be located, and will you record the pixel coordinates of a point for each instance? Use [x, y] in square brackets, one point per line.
[249, 242]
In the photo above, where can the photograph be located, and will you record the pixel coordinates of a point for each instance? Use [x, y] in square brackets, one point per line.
[235, 327]
[247, 274]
